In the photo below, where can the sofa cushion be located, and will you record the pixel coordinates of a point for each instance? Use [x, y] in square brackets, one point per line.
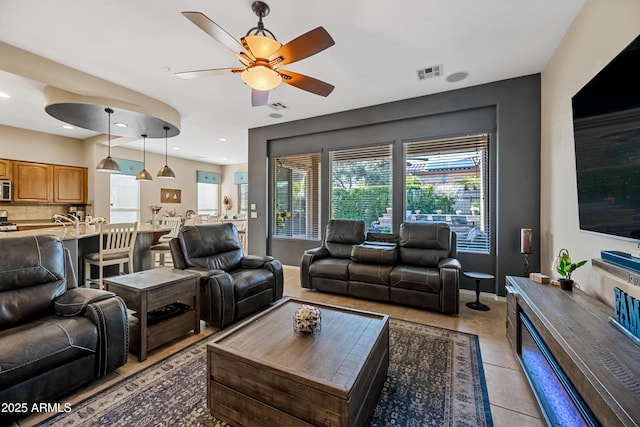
[214, 246]
[331, 268]
[247, 283]
[415, 278]
[369, 273]
[43, 345]
[423, 244]
[341, 235]
[32, 276]
[370, 253]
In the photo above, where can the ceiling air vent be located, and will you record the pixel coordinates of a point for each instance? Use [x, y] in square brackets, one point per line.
[428, 72]
[278, 106]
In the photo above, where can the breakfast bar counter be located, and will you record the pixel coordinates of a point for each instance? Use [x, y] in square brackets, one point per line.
[84, 240]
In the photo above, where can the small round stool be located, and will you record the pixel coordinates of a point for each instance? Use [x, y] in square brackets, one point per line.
[477, 305]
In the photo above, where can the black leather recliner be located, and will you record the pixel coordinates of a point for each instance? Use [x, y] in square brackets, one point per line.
[54, 336]
[232, 285]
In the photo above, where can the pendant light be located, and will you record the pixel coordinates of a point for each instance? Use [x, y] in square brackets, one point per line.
[143, 175]
[108, 164]
[165, 171]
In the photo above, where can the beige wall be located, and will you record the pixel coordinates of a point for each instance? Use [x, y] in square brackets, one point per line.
[228, 188]
[599, 33]
[22, 144]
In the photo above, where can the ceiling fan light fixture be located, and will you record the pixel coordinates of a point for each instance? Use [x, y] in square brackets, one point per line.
[261, 77]
[261, 46]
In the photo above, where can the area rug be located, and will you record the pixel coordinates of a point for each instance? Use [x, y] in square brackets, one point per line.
[435, 379]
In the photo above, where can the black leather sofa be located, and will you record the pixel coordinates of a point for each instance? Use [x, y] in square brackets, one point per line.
[233, 285]
[417, 267]
[54, 336]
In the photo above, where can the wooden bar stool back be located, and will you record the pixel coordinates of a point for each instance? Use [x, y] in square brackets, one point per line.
[116, 248]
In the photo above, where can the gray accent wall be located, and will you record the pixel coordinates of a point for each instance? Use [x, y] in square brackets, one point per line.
[509, 110]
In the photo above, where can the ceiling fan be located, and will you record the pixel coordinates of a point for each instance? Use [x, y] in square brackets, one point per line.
[262, 56]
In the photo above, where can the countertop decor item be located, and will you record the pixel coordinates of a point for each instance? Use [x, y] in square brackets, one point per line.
[307, 319]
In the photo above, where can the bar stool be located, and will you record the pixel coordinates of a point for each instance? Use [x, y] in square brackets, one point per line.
[162, 247]
[116, 248]
[477, 305]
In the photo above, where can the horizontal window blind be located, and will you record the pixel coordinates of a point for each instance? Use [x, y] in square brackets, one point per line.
[447, 181]
[296, 193]
[362, 184]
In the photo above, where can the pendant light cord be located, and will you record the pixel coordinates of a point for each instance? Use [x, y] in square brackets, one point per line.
[109, 111]
[166, 131]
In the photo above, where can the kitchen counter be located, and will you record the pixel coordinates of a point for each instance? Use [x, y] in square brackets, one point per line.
[83, 241]
[68, 231]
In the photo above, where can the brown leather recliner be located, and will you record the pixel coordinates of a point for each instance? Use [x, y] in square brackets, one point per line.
[54, 336]
[417, 267]
[233, 285]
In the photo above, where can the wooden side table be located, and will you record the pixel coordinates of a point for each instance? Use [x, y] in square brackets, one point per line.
[150, 293]
[477, 305]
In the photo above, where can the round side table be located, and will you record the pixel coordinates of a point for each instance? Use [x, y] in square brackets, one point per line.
[477, 305]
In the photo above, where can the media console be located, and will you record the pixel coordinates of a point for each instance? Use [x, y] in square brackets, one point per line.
[582, 369]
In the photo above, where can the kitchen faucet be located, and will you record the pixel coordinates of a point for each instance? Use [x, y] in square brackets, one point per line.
[61, 219]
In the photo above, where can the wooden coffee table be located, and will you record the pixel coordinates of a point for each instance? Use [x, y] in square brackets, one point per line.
[147, 292]
[262, 373]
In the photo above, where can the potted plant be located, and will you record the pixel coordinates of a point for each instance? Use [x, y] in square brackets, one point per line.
[565, 267]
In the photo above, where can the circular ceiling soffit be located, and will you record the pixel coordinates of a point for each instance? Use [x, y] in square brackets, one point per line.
[89, 113]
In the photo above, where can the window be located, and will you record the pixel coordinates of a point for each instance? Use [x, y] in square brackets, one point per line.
[296, 194]
[208, 196]
[361, 186]
[243, 197]
[124, 199]
[447, 181]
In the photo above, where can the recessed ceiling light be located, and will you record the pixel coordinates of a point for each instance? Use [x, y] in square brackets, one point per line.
[456, 77]
[224, 158]
[275, 115]
[175, 148]
[222, 139]
[120, 125]
[67, 126]
[4, 95]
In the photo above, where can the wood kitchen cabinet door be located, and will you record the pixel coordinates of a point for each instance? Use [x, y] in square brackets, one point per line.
[5, 169]
[69, 184]
[32, 182]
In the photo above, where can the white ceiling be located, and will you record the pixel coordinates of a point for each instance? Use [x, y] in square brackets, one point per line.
[379, 46]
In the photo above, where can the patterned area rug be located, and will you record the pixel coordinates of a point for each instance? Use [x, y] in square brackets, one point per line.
[435, 379]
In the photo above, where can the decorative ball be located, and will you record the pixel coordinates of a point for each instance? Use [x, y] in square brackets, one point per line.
[306, 320]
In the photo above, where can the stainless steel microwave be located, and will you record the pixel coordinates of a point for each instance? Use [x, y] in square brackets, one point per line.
[5, 194]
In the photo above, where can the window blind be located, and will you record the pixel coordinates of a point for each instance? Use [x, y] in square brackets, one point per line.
[447, 181]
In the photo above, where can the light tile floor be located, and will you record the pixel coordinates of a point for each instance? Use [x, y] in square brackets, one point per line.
[512, 402]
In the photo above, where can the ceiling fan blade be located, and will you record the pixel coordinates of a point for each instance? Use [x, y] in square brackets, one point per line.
[306, 83]
[219, 34]
[259, 97]
[302, 47]
[208, 73]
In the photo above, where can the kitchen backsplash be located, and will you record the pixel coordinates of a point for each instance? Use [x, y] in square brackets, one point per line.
[39, 213]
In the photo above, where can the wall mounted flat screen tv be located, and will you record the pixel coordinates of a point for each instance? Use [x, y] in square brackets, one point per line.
[606, 125]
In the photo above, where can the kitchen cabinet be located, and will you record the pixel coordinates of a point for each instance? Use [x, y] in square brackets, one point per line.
[32, 182]
[69, 184]
[5, 169]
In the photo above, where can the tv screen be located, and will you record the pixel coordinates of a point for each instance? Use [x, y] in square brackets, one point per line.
[606, 124]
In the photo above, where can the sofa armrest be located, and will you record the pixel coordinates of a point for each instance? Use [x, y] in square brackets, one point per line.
[110, 316]
[449, 263]
[450, 288]
[217, 299]
[74, 302]
[308, 258]
[255, 261]
[275, 267]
